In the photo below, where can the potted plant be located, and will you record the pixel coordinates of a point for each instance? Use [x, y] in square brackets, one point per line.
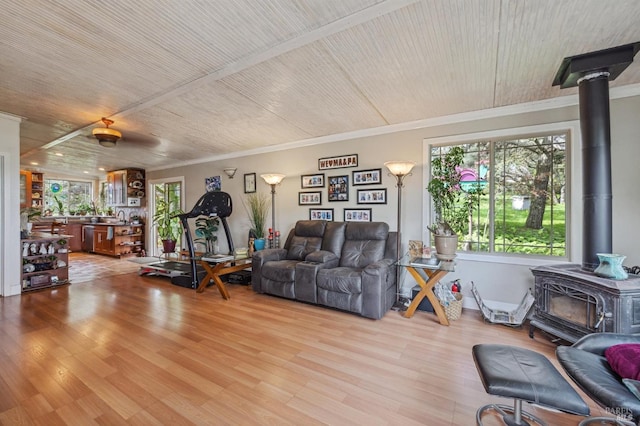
[27, 215]
[258, 208]
[59, 207]
[445, 191]
[206, 231]
[166, 218]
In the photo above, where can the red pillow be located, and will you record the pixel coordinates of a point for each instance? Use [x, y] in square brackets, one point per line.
[624, 359]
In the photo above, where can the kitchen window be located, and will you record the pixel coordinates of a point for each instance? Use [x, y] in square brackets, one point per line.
[68, 197]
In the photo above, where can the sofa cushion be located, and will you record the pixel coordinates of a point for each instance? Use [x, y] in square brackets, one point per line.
[624, 359]
[340, 280]
[280, 270]
[301, 246]
[364, 244]
[334, 237]
[307, 238]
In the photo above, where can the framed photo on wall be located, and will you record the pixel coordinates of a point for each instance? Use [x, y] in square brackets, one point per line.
[312, 181]
[338, 188]
[310, 198]
[367, 177]
[213, 183]
[372, 196]
[357, 215]
[321, 214]
[249, 183]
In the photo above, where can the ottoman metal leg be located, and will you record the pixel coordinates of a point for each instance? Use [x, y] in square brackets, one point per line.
[511, 416]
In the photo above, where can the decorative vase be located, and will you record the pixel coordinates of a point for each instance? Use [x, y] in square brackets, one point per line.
[446, 246]
[611, 266]
[259, 243]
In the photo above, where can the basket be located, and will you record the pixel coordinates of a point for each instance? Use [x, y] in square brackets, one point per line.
[454, 309]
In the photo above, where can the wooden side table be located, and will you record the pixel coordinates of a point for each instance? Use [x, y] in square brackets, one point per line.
[426, 285]
[216, 269]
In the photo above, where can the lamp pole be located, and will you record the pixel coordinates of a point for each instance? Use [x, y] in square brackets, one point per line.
[273, 210]
[399, 170]
[273, 179]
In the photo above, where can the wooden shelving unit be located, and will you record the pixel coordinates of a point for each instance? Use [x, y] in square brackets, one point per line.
[31, 189]
[37, 190]
[45, 261]
[121, 240]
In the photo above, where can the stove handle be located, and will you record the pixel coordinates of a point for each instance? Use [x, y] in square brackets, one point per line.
[601, 316]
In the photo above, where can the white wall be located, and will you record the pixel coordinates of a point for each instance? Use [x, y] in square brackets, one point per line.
[504, 282]
[10, 259]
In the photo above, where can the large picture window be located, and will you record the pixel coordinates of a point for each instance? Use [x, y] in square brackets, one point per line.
[67, 197]
[512, 194]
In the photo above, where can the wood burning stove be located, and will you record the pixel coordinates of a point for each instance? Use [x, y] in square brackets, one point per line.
[571, 302]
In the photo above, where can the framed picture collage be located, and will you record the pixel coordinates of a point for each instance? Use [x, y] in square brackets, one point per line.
[338, 190]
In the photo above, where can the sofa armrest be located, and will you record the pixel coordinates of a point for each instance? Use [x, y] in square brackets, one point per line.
[258, 260]
[597, 342]
[322, 256]
[268, 255]
[377, 279]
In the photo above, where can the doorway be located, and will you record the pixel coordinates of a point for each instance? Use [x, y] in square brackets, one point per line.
[167, 191]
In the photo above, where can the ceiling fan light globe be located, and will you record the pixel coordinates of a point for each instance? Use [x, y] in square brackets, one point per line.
[107, 143]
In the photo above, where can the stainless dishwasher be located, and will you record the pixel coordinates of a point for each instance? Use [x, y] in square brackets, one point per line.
[87, 238]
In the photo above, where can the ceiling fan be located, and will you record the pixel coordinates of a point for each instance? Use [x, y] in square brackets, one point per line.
[107, 137]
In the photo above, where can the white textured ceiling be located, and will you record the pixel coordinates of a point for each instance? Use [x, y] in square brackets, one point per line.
[190, 79]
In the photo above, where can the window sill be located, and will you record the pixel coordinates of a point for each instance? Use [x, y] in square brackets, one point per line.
[511, 259]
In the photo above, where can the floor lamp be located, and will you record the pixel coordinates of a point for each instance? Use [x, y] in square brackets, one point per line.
[273, 179]
[400, 170]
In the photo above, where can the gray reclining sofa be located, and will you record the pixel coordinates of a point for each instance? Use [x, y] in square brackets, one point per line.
[343, 265]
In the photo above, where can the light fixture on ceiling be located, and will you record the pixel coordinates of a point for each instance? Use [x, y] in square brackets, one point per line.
[107, 137]
[230, 171]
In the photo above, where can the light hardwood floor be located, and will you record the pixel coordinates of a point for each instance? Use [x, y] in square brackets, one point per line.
[137, 350]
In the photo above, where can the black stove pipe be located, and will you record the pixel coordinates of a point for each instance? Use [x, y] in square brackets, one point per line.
[596, 167]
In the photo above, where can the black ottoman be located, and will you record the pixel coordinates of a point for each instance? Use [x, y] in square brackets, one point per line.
[523, 375]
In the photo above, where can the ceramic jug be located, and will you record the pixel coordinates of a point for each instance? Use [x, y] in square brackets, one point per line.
[611, 266]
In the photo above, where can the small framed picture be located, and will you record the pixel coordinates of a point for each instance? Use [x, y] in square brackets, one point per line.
[372, 196]
[339, 188]
[213, 183]
[367, 177]
[249, 183]
[312, 181]
[310, 198]
[357, 215]
[321, 214]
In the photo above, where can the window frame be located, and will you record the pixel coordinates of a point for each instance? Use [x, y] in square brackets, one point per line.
[90, 182]
[573, 193]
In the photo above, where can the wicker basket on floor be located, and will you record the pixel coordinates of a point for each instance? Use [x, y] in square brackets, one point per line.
[454, 309]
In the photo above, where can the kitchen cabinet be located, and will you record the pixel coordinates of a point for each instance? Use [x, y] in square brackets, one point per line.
[101, 242]
[31, 189]
[126, 188]
[75, 230]
[118, 240]
[37, 190]
[45, 261]
[25, 189]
